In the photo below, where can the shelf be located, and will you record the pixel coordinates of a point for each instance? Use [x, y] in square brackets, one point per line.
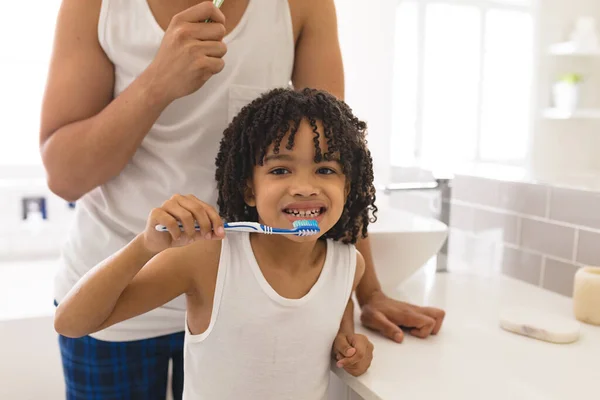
[571, 49]
[553, 113]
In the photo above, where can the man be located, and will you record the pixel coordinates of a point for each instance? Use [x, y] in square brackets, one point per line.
[138, 95]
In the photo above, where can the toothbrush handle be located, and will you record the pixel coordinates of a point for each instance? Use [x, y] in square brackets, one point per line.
[241, 227]
[230, 226]
[247, 227]
[256, 227]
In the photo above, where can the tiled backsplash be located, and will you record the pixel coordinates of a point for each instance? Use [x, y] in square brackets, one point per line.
[534, 232]
[27, 239]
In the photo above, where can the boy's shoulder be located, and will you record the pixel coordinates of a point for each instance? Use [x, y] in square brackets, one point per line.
[360, 267]
[360, 260]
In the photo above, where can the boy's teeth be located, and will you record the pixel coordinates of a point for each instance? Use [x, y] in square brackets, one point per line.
[304, 213]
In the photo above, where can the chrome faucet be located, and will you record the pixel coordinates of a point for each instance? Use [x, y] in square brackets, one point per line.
[444, 186]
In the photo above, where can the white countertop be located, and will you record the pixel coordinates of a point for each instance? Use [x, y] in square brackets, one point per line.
[472, 357]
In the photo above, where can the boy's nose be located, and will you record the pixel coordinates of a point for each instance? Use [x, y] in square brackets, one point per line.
[304, 187]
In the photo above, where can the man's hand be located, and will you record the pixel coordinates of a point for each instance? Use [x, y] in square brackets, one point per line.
[387, 316]
[353, 352]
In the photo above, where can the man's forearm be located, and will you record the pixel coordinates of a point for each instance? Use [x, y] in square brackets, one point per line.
[85, 154]
[369, 283]
[91, 301]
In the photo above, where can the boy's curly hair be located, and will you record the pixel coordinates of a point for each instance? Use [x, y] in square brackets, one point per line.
[265, 121]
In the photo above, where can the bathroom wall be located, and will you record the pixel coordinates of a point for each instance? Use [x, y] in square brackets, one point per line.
[565, 146]
[32, 237]
[535, 232]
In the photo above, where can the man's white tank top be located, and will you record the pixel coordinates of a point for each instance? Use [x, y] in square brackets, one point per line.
[178, 154]
[260, 345]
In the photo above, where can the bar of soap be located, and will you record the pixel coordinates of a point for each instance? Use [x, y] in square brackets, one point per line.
[540, 325]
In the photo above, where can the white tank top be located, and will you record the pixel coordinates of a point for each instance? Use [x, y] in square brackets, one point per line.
[260, 345]
[178, 154]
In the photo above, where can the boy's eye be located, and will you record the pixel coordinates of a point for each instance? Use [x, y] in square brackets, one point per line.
[279, 171]
[326, 171]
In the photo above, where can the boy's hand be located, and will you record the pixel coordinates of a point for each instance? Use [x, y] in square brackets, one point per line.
[353, 352]
[187, 210]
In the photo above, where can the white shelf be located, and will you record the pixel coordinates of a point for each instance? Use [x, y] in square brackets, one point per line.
[553, 113]
[571, 49]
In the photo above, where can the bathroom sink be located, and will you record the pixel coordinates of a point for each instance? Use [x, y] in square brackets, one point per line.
[402, 243]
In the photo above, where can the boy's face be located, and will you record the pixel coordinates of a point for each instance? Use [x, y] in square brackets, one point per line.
[290, 186]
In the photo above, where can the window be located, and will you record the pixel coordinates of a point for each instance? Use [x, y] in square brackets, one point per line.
[463, 76]
[26, 42]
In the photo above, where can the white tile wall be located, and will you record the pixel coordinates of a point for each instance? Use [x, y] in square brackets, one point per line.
[20, 239]
[531, 231]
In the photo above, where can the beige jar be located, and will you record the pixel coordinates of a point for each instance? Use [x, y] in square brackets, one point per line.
[586, 295]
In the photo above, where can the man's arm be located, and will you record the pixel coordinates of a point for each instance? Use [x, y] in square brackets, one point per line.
[369, 284]
[318, 60]
[87, 138]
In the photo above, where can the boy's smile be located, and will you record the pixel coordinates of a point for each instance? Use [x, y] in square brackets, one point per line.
[291, 186]
[305, 210]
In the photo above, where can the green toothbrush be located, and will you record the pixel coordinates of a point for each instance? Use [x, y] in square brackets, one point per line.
[217, 3]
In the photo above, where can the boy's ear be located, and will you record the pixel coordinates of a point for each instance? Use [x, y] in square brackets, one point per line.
[249, 194]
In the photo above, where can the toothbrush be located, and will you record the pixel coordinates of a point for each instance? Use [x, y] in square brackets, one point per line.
[217, 3]
[301, 228]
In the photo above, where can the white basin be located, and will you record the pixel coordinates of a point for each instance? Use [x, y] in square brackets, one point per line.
[402, 243]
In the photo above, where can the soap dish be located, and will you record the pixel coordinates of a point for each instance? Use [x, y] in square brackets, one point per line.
[540, 325]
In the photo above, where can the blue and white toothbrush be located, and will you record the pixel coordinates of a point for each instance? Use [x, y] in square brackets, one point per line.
[307, 227]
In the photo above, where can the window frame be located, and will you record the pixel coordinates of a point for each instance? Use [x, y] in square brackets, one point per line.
[529, 6]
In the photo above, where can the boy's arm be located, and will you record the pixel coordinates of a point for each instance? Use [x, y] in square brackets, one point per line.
[129, 283]
[353, 352]
[347, 324]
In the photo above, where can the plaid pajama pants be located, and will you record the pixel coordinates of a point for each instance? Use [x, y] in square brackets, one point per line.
[99, 370]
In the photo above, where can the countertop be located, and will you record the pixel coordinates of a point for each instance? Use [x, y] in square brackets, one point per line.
[472, 357]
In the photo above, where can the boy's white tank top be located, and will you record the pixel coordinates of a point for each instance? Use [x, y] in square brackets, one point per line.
[178, 154]
[260, 345]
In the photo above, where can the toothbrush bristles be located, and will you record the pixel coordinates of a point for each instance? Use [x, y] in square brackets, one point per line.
[306, 227]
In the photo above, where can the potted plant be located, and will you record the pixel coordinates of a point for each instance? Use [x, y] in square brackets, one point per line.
[565, 92]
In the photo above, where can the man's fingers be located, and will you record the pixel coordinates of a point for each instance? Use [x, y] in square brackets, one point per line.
[215, 64]
[435, 313]
[201, 12]
[214, 32]
[420, 325]
[213, 49]
[376, 320]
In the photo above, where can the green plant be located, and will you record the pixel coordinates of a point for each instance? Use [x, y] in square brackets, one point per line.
[571, 78]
